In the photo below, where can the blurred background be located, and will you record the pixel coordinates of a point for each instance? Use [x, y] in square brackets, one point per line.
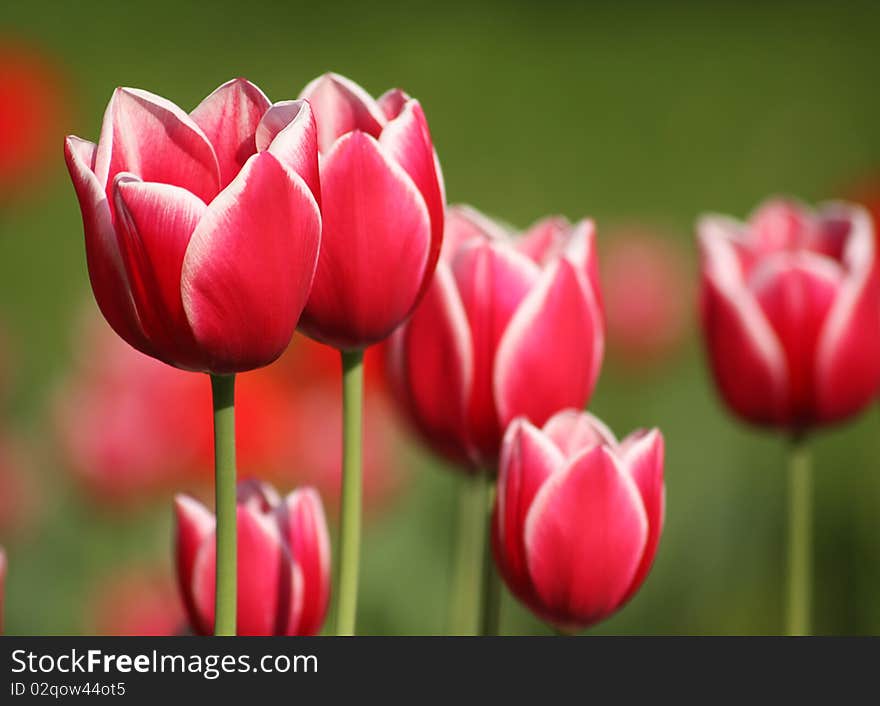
[639, 114]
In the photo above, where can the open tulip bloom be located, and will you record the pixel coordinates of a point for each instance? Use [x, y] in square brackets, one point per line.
[578, 516]
[511, 326]
[202, 234]
[790, 305]
[382, 208]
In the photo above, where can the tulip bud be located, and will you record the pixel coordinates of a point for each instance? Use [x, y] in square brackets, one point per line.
[509, 327]
[283, 561]
[202, 231]
[790, 306]
[577, 516]
[382, 205]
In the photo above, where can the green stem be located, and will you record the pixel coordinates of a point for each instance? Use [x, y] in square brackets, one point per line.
[491, 613]
[799, 539]
[464, 605]
[350, 506]
[223, 390]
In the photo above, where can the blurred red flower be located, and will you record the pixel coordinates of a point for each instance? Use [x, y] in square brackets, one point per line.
[132, 428]
[141, 601]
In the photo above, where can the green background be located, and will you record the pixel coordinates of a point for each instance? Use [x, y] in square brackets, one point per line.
[652, 111]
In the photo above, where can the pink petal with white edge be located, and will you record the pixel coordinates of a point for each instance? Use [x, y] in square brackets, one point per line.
[194, 525]
[463, 224]
[746, 356]
[575, 431]
[585, 536]
[558, 322]
[436, 367]
[106, 269]
[288, 131]
[229, 118]
[269, 584]
[408, 140]
[493, 280]
[154, 225]
[151, 137]
[341, 106]
[375, 244]
[580, 250]
[528, 459]
[257, 495]
[642, 456]
[249, 266]
[392, 101]
[304, 528]
[543, 240]
[848, 357]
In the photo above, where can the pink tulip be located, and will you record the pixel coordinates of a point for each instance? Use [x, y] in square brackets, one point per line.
[202, 231]
[791, 312]
[578, 516]
[283, 561]
[382, 204]
[509, 327]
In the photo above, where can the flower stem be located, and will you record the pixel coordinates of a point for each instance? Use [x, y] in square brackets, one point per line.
[223, 390]
[491, 613]
[465, 596]
[799, 538]
[348, 555]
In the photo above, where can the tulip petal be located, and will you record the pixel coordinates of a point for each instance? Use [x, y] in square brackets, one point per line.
[249, 266]
[257, 495]
[580, 250]
[642, 455]
[558, 322]
[341, 106]
[493, 280]
[195, 524]
[392, 101]
[435, 367]
[304, 526]
[745, 354]
[574, 431]
[543, 240]
[848, 358]
[155, 222]
[528, 459]
[269, 583]
[106, 269]
[151, 137]
[374, 247]
[463, 224]
[229, 118]
[288, 131]
[408, 140]
[585, 535]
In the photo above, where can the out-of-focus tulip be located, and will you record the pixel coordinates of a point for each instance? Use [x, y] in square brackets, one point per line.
[131, 428]
[790, 304]
[509, 327]
[137, 602]
[382, 205]
[578, 516]
[645, 286]
[202, 231]
[283, 567]
[2, 586]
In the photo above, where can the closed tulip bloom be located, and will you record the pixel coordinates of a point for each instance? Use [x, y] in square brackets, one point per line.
[283, 564]
[202, 230]
[790, 306]
[577, 517]
[382, 205]
[510, 326]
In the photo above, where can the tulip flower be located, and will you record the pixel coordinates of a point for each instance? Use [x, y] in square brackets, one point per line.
[382, 207]
[284, 567]
[202, 234]
[510, 326]
[790, 304]
[577, 517]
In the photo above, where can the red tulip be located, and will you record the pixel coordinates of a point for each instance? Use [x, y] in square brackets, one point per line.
[137, 602]
[283, 566]
[578, 516]
[791, 312]
[202, 231]
[382, 205]
[509, 327]
[646, 288]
